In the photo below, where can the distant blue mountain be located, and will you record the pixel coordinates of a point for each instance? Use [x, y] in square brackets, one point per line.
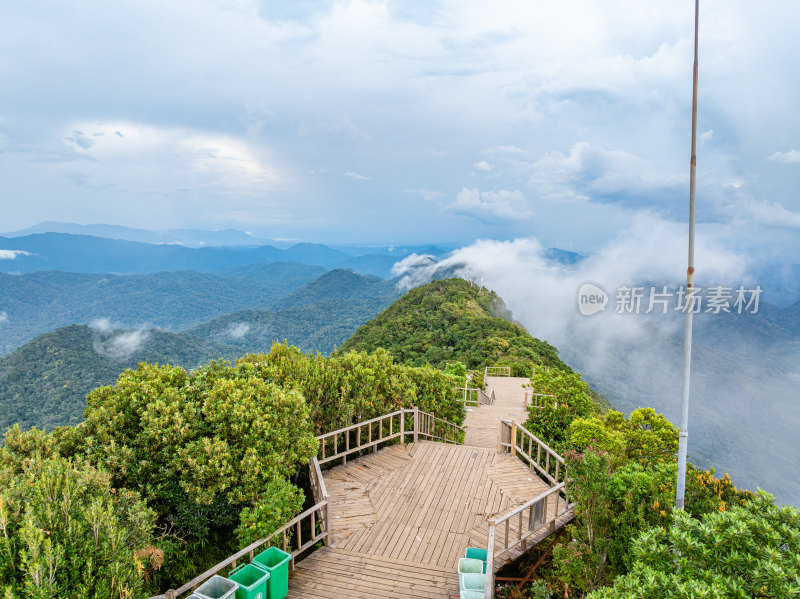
[187, 237]
[40, 302]
[87, 254]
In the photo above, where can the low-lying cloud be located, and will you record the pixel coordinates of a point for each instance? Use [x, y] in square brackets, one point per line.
[238, 330]
[112, 342]
[121, 345]
[12, 254]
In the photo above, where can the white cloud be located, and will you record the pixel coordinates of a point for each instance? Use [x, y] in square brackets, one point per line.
[590, 172]
[482, 166]
[427, 194]
[542, 294]
[491, 206]
[102, 324]
[12, 254]
[121, 345]
[238, 330]
[789, 157]
[356, 176]
[141, 157]
[770, 214]
[413, 263]
[3, 317]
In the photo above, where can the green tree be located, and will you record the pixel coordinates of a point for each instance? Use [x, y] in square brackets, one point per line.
[65, 531]
[200, 448]
[747, 551]
[645, 437]
[581, 562]
[550, 418]
[355, 386]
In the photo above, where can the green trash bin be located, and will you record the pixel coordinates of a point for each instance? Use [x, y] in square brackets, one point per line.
[276, 562]
[472, 582]
[471, 595]
[468, 565]
[477, 553]
[252, 581]
[216, 587]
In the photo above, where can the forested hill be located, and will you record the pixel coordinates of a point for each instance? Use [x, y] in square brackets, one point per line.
[44, 383]
[453, 320]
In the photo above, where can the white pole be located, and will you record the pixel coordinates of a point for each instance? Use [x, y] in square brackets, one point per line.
[683, 439]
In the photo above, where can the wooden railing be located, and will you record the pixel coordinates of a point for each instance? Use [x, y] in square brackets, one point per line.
[518, 525]
[315, 521]
[473, 398]
[532, 450]
[537, 400]
[430, 427]
[363, 435]
[496, 371]
[370, 434]
[469, 396]
[541, 511]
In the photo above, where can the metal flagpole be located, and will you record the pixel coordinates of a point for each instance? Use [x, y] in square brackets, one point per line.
[683, 439]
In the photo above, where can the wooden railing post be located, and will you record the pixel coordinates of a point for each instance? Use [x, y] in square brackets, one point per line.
[513, 437]
[416, 424]
[500, 438]
[488, 592]
[402, 426]
[328, 533]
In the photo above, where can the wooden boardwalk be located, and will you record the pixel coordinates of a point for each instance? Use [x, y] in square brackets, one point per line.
[402, 517]
[482, 422]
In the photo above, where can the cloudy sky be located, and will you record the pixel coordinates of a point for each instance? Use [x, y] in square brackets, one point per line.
[401, 121]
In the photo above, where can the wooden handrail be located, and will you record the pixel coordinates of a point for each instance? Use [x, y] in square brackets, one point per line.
[496, 371]
[538, 517]
[386, 425]
[537, 395]
[472, 400]
[516, 439]
[429, 425]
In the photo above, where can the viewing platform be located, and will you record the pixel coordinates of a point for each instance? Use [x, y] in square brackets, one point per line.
[396, 519]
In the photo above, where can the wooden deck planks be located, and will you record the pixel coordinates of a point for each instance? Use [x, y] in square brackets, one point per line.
[403, 516]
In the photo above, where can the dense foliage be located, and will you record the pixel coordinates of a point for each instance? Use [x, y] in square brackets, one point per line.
[565, 398]
[200, 448]
[453, 320]
[355, 386]
[751, 550]
[622, 473]
[215, 453]
[65, 531]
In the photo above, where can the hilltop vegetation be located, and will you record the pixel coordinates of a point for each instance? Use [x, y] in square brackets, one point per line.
[453, 320]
